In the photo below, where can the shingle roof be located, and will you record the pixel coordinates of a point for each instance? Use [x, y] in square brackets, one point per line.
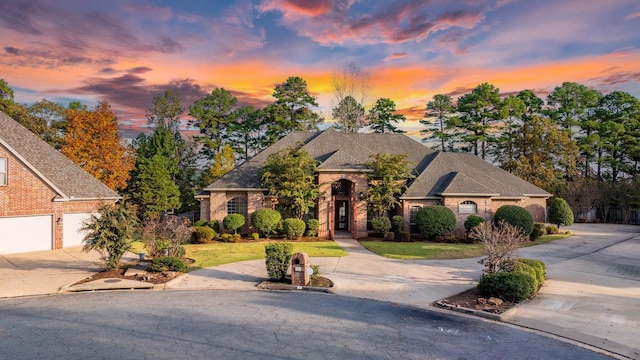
[332, 149]
[462, 173]
[66, 178]
[438, 173]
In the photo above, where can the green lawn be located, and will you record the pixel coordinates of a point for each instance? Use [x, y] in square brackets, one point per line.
[206, 255]
[437, 251]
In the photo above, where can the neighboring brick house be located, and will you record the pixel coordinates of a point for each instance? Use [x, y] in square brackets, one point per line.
[44, 196]
[463, 182]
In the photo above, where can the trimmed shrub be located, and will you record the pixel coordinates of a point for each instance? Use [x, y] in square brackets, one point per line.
[538, 230]
[266, 221]
[312, 227]
[226, 237]
[167, 263]
[510, 286]
[560, 213]
[472, 221]
[397, 225]
[255, 236]
[514, 265]
[516, 216]
[435, 220]
[233, 222]
[278, 256]
[551, 229]
[213, 224]
[381, 225]
[293, 228]
[203, 234]
[200, 223]
[539, 267]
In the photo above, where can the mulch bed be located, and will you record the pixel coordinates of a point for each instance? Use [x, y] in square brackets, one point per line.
[470, 299]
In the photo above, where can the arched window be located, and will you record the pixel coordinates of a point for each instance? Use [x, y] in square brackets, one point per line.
[237, 205]
[468, 207]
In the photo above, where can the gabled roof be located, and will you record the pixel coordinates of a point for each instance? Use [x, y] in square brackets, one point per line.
[334, 151]
[467, 175]
[62, 175]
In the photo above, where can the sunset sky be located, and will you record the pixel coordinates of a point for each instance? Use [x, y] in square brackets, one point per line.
[127, 51]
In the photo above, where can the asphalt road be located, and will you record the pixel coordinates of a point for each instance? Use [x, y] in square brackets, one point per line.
[254, 325]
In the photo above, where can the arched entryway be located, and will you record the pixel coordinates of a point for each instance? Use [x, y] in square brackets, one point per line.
[342, 196]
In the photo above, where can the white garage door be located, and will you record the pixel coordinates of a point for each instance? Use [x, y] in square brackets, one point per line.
[25, 233]
[71, 224]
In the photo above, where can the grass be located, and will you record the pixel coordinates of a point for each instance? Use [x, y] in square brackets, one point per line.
[438, 251]
[423, 250]
[206, 255]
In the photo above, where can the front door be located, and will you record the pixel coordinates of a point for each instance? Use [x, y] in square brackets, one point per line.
[342, 215]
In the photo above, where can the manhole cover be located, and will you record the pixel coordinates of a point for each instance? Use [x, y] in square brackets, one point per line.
[112, 280]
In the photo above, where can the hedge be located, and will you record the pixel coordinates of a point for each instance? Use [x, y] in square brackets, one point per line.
[510, 286]
[435, 220]
[278, 256]
[516, 216]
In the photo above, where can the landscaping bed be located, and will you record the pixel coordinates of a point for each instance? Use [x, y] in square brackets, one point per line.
[471, 299]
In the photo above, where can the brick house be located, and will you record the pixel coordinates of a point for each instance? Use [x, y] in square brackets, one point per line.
[44, 196]
[463, 182]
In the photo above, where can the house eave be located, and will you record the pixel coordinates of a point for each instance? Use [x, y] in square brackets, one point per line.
[67, 199]
[420, 198]
[231, 189]
[345, 170]
[467, 194]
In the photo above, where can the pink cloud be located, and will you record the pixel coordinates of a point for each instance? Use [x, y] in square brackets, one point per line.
[395, 56]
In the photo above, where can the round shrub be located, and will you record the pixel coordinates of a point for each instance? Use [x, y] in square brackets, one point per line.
[435, 220]
[397, 225]
[551, 229]
[293, 228]
[233, 222]
[214, 224]
[381, 224]
[265, 220]
[560, 213]
[472, 221]
[517, 266]
[167, 263]
[203, 234]
[278, 256]
[538, 230]
[226, 237]
[255, 236]
[200, 223]
[510, 286]
[516, 216]
[537, 265]
[312, 227]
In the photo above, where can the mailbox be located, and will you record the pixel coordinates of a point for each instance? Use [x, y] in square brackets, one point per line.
[299, 265]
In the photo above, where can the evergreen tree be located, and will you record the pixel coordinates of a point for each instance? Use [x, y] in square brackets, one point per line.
[442, 129]
[479, 110]
[382, 117]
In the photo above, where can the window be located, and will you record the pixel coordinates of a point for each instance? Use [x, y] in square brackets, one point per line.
[237, 206]
[413, 211]
[468, 207]
[3, 171]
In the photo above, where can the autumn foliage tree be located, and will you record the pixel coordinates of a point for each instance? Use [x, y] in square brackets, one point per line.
[93, 141]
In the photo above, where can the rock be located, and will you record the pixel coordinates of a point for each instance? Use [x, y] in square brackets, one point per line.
[494, 301]
[481, 301]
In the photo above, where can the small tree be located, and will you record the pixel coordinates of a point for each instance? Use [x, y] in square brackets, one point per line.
[233, 222]
[387, 181]
[381, 225]
[168, 232]
[110, 232]
[559, 212]
[265, 220]
[435, 220]
[516, 216]
[500, 241]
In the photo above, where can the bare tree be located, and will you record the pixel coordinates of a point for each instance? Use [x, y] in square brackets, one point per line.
[500, 241]
[169, 232]
[351, 87]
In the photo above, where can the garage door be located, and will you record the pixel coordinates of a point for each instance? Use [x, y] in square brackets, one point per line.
[25, 233]
[71, 224]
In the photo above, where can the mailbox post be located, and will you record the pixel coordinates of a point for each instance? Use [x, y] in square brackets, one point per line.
[299, 265]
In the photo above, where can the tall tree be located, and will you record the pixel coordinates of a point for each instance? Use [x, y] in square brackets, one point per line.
[511, 113]
[223, 162]
[166, 110]
[93, 141]
[290, 174]
[479, 110]
[292, 110]
[248, 132]
[570, 103]
[441, 109]
[351, 87]
[349, 115]
[382, 117]
[619, 132]
[533, 104]
[50, 120]
[387, 181]
[156, 190]
[213, 115]
[542, 154]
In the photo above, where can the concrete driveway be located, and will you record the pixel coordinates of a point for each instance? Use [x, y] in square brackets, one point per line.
[44, 272]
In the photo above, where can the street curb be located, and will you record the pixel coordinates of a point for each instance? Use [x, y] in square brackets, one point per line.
[464, 310]
[265, 285]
